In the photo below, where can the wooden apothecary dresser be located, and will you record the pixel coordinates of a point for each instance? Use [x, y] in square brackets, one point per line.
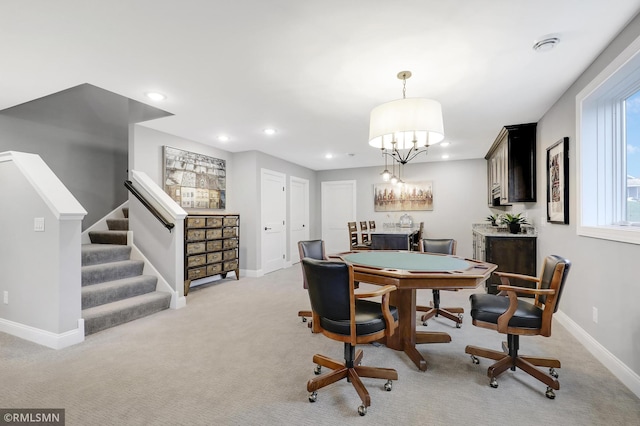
[211, 246]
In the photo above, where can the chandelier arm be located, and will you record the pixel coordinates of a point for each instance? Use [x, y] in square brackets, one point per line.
[404, 159]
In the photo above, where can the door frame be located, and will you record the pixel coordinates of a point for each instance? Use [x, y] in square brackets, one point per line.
[283, 241]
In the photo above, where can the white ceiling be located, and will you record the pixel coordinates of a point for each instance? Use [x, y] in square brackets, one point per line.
[311, 69]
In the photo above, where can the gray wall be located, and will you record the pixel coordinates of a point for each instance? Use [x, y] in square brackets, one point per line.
[246, 175]
[459, 197]
[604, 273]
[43, 289]
[243, 183]
[82, 135]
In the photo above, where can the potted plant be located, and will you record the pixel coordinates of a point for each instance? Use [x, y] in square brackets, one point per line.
[514, 221]
[493, 219]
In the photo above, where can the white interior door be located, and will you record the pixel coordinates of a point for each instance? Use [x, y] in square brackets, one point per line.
[273, 214]
[298, 215]
[338, 208]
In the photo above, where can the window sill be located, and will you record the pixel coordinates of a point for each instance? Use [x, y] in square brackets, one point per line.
[623, 234]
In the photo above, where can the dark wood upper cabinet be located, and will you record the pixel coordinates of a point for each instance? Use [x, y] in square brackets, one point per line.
[511, 166]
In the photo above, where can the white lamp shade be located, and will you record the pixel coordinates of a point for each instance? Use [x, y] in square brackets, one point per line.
[406, 120]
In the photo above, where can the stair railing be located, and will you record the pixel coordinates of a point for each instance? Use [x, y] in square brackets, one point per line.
[129, 185]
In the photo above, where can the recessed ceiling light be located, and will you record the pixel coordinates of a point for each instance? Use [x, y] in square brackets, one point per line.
[269, 131]
[328, 156]
[223, 138]
[444, 143]
[546, 44]
[156, 96]
[445, 156]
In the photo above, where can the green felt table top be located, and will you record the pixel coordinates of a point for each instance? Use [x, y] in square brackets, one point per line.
[410, 261]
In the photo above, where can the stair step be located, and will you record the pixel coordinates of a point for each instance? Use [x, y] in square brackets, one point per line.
[95, 254]
[118, 224]
[108, 237]
[112, 291]
[95, 274]
[111, 314]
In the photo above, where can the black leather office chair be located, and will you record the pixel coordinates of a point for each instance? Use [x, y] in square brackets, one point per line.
[345, 316]
[506, 314]
[315, 250]
[441, 246]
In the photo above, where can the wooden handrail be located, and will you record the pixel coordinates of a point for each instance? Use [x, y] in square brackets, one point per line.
[129, 185]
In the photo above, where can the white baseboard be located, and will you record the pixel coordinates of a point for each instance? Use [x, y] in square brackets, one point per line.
[253, 273]
[43, 337]
[617, 367]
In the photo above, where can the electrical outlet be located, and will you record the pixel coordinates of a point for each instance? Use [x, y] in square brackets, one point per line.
[595, 314]
[6, 297]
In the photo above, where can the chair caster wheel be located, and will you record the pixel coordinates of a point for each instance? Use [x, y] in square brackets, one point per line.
[388, 386]
[310, 325]
[458, 325]
[317, 370]
[304, 319]
[425, 323]
[553, 373]
[550, 393]
[362, 410]
[475, 359]
[493, 383]
[313, 396]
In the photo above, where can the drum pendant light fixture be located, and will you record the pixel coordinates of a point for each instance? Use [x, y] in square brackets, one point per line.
[406, 127]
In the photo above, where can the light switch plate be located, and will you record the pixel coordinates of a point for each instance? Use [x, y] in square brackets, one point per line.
[38, 224]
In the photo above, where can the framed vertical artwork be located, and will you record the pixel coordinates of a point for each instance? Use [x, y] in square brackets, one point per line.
[194, 181]
[558, 182]
[410, 197]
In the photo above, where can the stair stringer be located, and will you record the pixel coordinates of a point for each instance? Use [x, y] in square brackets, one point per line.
[177, 301]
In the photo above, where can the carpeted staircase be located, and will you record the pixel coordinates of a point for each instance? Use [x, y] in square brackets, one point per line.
[114, 291]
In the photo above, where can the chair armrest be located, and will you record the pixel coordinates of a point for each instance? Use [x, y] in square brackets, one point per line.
[384, 305]
[383, 290]
[512, 293]
[525, 290]
[519, 276]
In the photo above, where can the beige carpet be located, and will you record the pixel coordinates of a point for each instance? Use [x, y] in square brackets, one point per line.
[238, 355]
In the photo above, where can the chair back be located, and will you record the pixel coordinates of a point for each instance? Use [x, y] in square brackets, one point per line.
[390, 242]
[330, 287]
[365, 235]
[441, 245]
[554, 274]
[313, 249]
[416, 239]
[353, 234]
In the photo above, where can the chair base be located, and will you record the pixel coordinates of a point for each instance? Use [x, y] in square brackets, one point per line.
[508, 358]
[305, 315]
[352, 371]
[434, 310]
